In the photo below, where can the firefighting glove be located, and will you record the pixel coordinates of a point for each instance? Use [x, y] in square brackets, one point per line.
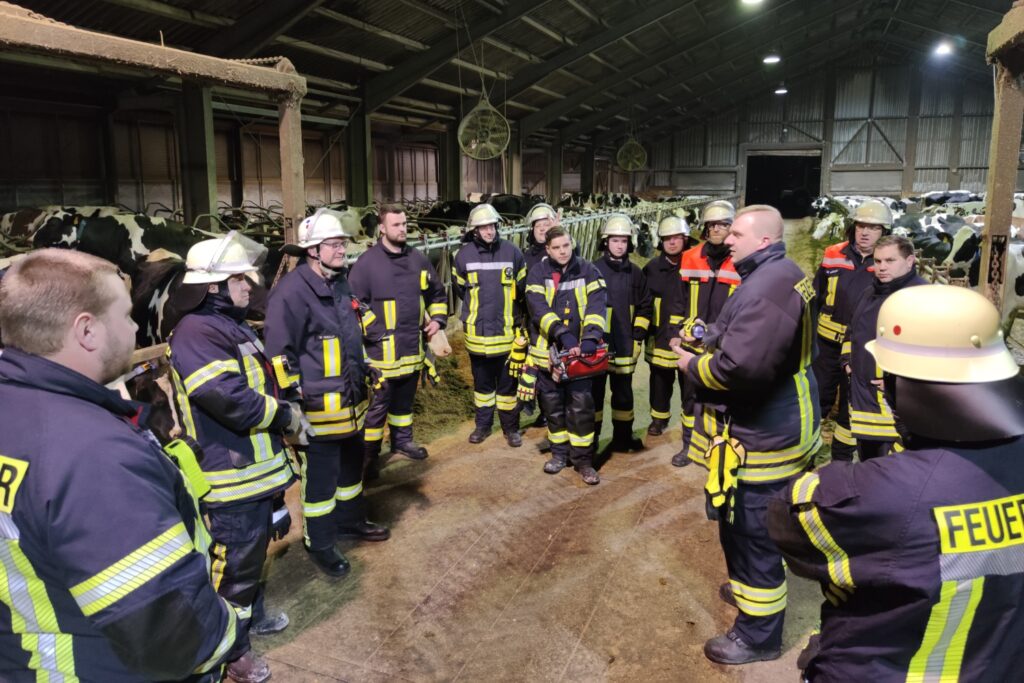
[568, 341]
[588, 347]
[724, 459]
[375, 379]
[187, 454]
[297, 431]
[527, 390]
[429, 373]
[281, 520]
[639, 334]
[517, 355]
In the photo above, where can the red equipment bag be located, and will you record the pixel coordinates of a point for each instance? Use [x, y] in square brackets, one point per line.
[566, 369]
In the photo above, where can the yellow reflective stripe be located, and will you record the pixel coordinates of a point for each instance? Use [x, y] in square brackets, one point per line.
[843, 435]
[847, 348]
[804, 487]
[400, 420]
[473, 308]
[227, 641]
[581, 440]
[368, 318]
[942, 649]
[318, 509]
[598, 415]
[595, 285]
[458, 278]
[483, 400]
[184, 406]
[657, 311]
[660, 415]
[132, 571]
[833, 286]
[423, 279]
[622, 415]
[269, 411]
[558, 437]
[228, 485]
[688, 420]
[348, 492]
[837, 559]
[208, 372]
[546, 321]
[374, 434]
[390, 314]
[694, 298]
[506, 402]
[594, 319]
[706, 376]
[284, 380]
[219, 552]
[759, 601]
[332, 357]
[830, 329]
[642, 322]
[434, 310]
[804, 400]
[534, 289]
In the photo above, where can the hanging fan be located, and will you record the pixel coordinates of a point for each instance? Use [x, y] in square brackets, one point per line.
[484, 133]
[631, 156]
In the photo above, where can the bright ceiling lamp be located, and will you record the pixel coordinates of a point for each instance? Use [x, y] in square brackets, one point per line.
[782, 89]
[772, 58]
[944, 49]
[751, 2]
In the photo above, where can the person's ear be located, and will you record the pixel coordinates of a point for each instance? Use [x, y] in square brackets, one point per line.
[85, 328]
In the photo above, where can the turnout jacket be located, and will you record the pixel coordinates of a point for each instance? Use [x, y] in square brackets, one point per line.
[843, 277]
[397, 291]
[570, 300]
[667, 292]
[705, 288]
[229, 403]
[755, 378]
[491, 281]
[629, 310]
[871, 418]
[104, 571]
[315, 343]
[919, 557]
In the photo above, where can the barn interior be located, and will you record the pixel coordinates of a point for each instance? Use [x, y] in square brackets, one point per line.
[188, 118]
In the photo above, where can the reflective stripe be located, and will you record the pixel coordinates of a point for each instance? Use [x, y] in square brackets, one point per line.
[483, 400]
[843, 435]
[581, 440]
[706, 376]
[390, 314]
[318, 509]
[660, 415]
[598, 415]
[558, 437]
[332, 357]
[546, 321]
[642, 322]
[595, 320]
[622, 415]
[496, 265]
[595, 285]
[367, 318]
[132, 571]
[400, 420]
[424, 279]
[348, 492]
[374, 434]
[844, 263]
[830, 329]
[942, 649]
[506, 403]
[219, 553]
[437, 310]
[837, 559]
[566, 285]
[261, 477]
[688, 420]
[208, 372]
[284, 380]
[227, 641]
[759, 602]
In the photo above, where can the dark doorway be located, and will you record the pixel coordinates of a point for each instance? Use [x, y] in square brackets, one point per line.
[788, 182]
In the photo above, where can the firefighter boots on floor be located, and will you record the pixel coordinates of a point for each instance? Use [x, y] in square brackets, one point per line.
[589, 476]
[730, 648]
[364, 531]
[544, 446]
[411, 450]
[330, 561]
[479, 434]
[249, 668]
[555, 465]
[270, 624]
[657, 427]
[680, 459]
[514, 439]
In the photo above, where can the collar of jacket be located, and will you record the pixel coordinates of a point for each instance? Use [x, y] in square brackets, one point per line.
[320, 286]
[29, 370]
[617, 264]
[221, 303]
[392, 254]
[665, 262]
[484, 247]
[536, 248]
[859, 259]
[716, 254]
[773, 252]
[572, 266]
[887, 288]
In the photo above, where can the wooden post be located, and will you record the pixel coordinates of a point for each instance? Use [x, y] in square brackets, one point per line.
[198, 165]
[293, 188]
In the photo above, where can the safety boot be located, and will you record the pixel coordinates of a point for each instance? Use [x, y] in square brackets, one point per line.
[657, 427]
[730, 648]
[364, 531]
[544, 446]
[623, 440]
[411, 450]
[589, 476]
[271, 623]
[330, 561]
[556, 464]
[680, 459]
[514, 439]
[249, 668]
[479, 435]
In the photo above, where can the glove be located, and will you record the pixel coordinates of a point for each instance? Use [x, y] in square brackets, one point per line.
[375, 378]
[567, 341]
[281, 520]
[429, 373]
[588, 347]
[517, 355]
[527, 389]
[296, 433]
[639, 334]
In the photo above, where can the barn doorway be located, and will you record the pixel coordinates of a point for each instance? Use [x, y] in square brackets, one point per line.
[787, 179]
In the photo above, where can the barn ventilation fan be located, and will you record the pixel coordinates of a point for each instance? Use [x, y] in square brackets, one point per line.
[484, 133]
[631, 156]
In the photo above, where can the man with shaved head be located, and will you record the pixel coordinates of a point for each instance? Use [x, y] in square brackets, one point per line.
[756, 424]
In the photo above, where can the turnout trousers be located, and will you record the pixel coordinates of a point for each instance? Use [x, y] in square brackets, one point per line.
[622, 404]
[391, 404]
[240, 536]
[494, 387]
[866, 450]
[662, 387]
[332, 489]
[687, 409]
[569, 408]
[831, 378]
[756, 572]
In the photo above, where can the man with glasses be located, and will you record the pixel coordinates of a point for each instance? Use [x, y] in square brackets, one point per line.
[846, 273]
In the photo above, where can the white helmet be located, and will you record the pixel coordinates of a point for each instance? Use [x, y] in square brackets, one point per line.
[618, 225]
[671, 226]
[718, 211]
[481, 215]
[540, 211]
[218, 259]
[324, 225]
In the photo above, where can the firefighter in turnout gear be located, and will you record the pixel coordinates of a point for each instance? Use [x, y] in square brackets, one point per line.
[662, 273]
[568, 304]
[918, 554]
[630, 308]
[540, 218]
[845, 275]
[871, 418]
[758, 423]
[709, 279]
[315, 344]
[489, 275]
[405, 305]
[104, 571]
[231, 405]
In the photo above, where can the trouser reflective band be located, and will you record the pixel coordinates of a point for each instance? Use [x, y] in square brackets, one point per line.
[759, 602]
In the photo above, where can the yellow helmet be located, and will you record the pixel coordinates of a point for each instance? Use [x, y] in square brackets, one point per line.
[540, 211]
[218, 259]
[939, 333]
[618, 224]
[873, 212]
[672, 225]
[719, 210]
[483, 214]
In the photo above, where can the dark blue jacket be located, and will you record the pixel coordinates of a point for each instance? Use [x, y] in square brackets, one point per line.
[667, 289]
[104, 569]
[920, 556]
[315, 342]
[575, 306]
[756, 377]
[228, 400]
[629, 310]
[840, 282]
[491, 281]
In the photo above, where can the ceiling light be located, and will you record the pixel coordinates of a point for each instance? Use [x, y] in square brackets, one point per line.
[772, 58]
[781, 90]
[751, 2]
[944, 48]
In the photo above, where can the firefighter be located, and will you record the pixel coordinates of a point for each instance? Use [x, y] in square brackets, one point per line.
[871, 418]
[231, 404]
[88, 499]
[315, 344]
[662, 273]
[405, 306]
[541, 218]
[919, 554]
[709, 278]
[846, 273]
[567, 303]
[628, 318]
[758, 423]
[489, 275]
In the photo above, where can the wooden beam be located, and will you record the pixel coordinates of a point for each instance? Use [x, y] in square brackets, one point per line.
[258, 28]
[198, 165]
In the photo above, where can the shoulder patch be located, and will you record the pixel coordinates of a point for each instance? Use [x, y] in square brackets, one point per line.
[12, 473]
[805, 288]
